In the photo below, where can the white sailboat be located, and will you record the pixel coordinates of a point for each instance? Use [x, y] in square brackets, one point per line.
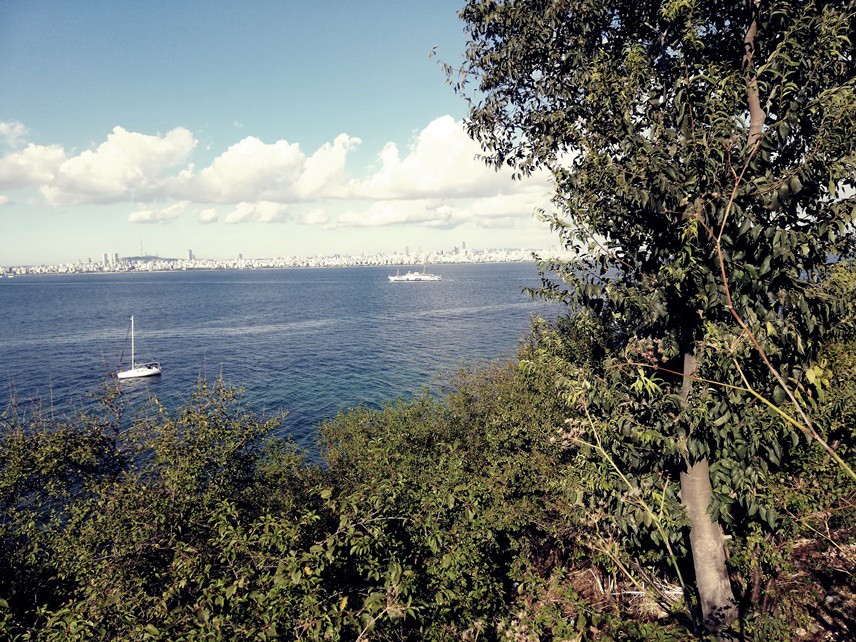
[138, 369]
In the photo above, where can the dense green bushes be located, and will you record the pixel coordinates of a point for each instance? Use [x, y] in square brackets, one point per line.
[505, 508]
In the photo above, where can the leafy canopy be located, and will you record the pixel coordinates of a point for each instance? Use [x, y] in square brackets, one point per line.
[640, 110]
[704, 157]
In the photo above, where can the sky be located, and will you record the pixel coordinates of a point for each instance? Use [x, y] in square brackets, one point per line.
[258, 128]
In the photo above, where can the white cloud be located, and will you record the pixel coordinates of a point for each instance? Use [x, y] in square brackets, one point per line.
[442, 163]
[4, 200]
[127, 165]
[258, 212]
[207, 216]
[517, 205]
[164, 215]
[12, 133]
[324, 171]
[501, 210]
[438, 182]
[252, 170]
[382, 213]
[317, 216]
[33, 165]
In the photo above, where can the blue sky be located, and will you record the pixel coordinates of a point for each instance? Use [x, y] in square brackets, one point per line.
[265, 128]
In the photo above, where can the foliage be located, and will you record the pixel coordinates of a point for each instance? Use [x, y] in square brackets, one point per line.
[703, 156]
[639, 110]
[122, 537]
[475, 514]
[425, 525]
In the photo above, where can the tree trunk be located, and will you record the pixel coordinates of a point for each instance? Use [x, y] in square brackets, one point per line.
[718, 606]
[753, 100]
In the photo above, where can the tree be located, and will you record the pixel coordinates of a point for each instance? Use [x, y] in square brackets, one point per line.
[703, 156]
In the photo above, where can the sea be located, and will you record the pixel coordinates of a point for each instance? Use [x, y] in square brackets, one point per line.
[307, 341]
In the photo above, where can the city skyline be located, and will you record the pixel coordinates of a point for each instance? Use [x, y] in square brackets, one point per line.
[112, 262]
[281, 129]
[112, 257]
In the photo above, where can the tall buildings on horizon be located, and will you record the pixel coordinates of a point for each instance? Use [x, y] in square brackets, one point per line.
[113, 258]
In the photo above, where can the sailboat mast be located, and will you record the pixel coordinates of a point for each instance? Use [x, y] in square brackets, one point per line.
[132, 343]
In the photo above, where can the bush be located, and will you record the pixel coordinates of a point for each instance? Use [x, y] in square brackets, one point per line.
[503, 508]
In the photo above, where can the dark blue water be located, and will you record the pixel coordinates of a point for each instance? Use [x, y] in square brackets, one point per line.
[308, 341]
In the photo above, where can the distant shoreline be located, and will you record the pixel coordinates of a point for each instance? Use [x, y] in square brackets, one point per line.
[178, 265]
[254, 268]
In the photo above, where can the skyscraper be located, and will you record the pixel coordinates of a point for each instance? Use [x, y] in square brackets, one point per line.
[189, 255]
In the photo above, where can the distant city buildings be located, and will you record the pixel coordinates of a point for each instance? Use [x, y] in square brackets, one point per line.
[156, 264]
[108, 259]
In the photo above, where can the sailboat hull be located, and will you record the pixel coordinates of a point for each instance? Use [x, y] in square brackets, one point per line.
[145, 370]
[138, 369]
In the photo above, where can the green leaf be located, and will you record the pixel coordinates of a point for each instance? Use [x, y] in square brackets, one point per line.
[722, 420]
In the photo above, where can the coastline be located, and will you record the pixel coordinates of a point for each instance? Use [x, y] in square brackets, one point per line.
[182, 265]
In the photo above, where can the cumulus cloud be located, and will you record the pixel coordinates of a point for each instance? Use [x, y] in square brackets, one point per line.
[442, 162]
[440, 183]
[324, 171]
[279, 172]
[207, 216]
[12, 133]
[515, 205]
[163, 215]
[127, 165]
[383, 213]
[33, 165]
[437, 182]
[501, 210]
[317, 216]
[258, 212]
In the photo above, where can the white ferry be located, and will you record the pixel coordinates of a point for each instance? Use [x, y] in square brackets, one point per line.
[414, 276]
